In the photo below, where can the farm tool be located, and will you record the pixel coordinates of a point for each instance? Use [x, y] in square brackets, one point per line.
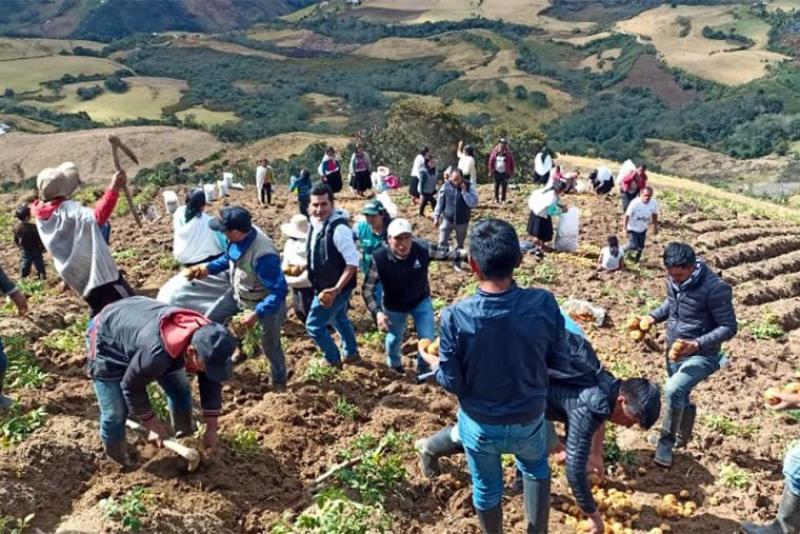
[192, 456]
[117, 145]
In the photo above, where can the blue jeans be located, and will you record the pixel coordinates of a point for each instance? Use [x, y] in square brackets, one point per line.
[320, 317]
[791, 469]
[3, 364]
[32, 259]
[484, 444]
[423, 323]
[684, 375]
[226, 307]
[114, 410]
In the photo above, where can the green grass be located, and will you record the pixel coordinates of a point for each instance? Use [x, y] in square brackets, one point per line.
[26, 74]
[31, 286]
[381, 469]
[319, 371]
[207, 117]
[345, 409]
[16, 426]
[612, 453]
[124, 254]
[373, 338]
[766, 327]
[6, 227]
[545, 274]
[243, 442]
[70, 339]
[726, 426]
[23, 369]
[129, 510]
[438, 304]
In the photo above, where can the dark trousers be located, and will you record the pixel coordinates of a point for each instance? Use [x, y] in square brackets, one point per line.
[427, 198]
[266, 193]
[636, 241]
[29, 259]
[626, 199]
[101, 296]
[500, 185]
[302, 298]
[303, 201]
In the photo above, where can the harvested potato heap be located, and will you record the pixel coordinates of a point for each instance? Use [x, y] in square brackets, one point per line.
[674, 507]
[619, 512]
[638, 327]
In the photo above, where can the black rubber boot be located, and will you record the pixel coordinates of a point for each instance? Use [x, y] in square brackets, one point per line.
[118, 451]
[686, 429]
[787, 522]
[536, 494]
[491, 520]
[669, 431]
[182, 423]
[437, 446]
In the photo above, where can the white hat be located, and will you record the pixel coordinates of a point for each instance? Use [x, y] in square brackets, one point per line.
[399, 227]
[58, 182]
[297, 227]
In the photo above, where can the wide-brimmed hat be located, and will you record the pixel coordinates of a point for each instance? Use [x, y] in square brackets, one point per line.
[58, 182]
[296, 228]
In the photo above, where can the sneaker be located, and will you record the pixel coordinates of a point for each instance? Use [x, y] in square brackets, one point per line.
[5, 402]
[457, 266]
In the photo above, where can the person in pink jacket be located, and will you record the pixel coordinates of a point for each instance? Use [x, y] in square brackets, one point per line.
[501, 168]
[631, 185]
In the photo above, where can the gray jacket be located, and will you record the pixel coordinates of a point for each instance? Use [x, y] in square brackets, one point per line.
[702, 312]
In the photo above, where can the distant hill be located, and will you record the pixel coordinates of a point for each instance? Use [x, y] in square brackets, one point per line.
[109, 19]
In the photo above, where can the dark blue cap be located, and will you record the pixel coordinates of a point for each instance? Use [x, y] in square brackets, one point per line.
[215, 347]
[232, 218]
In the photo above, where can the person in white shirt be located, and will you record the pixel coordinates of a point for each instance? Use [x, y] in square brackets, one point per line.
[332, 259]
[264, 177]
[466, 162]
[295, 264]
[640, 213]
[416, 167]
[602, 180]
[193, 242]
[612, 257]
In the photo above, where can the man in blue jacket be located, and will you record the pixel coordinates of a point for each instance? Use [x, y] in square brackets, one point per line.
[9, 289]
[700, 317]
[494, 353]
[138, 340]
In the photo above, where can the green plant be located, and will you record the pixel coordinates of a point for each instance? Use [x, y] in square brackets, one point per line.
[767, 327]
[13, 525]
[23, 369]
[612, 453]
[319, 371]
[70, 339]
[130, 509]
[545, 274]
[125, 254]
[158, 401]
[15, 426]
[380, 469]
[334, 512]
[726, 426]
[733, 476]
[31, 286]
[372, 337]
[345, 409]
[243, 442]
[438, 303]
[168, 263]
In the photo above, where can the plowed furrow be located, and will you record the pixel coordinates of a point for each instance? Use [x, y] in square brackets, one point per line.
[716, 225]
[759, 292]
[735, 236]
[760, 250]
[766, 270]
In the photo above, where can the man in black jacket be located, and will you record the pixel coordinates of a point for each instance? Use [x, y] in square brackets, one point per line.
[138, 340]
[402, 269]
[700, 317]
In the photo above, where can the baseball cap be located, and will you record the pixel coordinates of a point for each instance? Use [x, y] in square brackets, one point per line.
[399, 227]
[215, 347]
[503, 141]
[232, 218]
[373, 207]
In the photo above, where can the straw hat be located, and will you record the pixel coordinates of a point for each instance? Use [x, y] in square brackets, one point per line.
[297, 227]
[58, 182]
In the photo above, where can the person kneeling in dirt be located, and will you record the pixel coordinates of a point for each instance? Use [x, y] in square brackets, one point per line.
[258, 285]
[493, 356]
[134, 342]
[402, 269]
[10, 290]
[700, 318]
[584, 395]
[788, 519]
[72, 235]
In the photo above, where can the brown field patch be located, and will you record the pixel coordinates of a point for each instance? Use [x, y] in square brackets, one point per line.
[282, 146]
[647, 72]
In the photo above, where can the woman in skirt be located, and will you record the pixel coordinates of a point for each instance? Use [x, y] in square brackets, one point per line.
[360, 171]
[331, 170]
[544, 204]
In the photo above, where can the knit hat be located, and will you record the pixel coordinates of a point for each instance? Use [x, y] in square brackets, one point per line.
[297, 227]
[58, 182]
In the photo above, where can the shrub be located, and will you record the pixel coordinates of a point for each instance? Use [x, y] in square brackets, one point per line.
[130, 509]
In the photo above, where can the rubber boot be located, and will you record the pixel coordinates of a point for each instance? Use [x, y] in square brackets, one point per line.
[669, 430]
[536, 494]
[491, 520]
[182, 423]
[787, 522]
[686, 429]
[118, 451]
[437, 446]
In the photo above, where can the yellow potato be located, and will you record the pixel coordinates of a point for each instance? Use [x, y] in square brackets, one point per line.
[670, 499]
[433, 349]
[637, 335]
[634, 324]
[771, 397]
[684, 494]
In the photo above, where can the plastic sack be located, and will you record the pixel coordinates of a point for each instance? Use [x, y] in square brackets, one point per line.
[568, 230]
[540, 200]
[582, 310]
[388, 203]
[222, 187]
[170, 200]
[542, 165]
[211, 192]
[227, 177]
[583, 186]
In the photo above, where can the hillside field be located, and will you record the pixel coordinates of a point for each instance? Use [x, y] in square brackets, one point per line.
[26, 75]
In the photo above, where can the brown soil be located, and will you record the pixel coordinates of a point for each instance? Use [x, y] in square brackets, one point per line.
[752, 252]
[735, 236]
[58, 473]
[648, 72]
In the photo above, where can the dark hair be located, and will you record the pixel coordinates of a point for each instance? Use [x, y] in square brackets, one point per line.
[469, 150]
[424, 150]
[305, 174]
[643, 398]
[679, 255]
[321, 188]
[195, 200]
[643, 167]
[494, 246]
[22, 212]
[613, 244]
[559, 186]
[428, 160]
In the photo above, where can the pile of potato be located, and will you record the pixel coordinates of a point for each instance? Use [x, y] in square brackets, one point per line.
[618, 510]
[638, 327]
[671, 507]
